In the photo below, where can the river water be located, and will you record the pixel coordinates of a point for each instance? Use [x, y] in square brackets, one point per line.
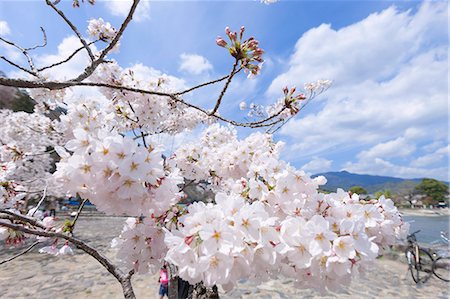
[430, 227]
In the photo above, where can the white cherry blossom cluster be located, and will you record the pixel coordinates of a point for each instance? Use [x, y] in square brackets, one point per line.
[271, 219]
[89, 115]
[220, 156]
[47, 99]
[141, 245]
[99, 29]
[27, 142]
[10, 198]
[117, 175]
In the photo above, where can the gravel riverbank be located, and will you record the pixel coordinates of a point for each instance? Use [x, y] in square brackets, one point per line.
[42, 276]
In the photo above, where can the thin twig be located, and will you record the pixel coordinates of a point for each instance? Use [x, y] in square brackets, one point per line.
[20, 253]
[140, 126]
[222, 93]
[39, 46]
[18, 66]
[67, 59]
[40, 154]
[205, 84]
[41, 201]
[25, 53]
[80, 208]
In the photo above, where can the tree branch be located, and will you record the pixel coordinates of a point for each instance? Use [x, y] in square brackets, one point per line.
[20, 253]
[67, 59]
[24, 218]
[74, 29]
[18, 66]
[60, 85]
[205, 84]
[25, 53]
[122, 278]
[43, 44]
[41, 201]
[95, 63]
[222, 93]
[80, 208]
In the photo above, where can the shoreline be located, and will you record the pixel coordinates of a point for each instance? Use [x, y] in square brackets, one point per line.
[425, 212]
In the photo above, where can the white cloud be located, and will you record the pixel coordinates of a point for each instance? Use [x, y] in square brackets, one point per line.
[375, 161]
[433, 158]
[4, 28]
[399, 147]
[194, 64]
[317, 165]
[121, 8]
[390, 80]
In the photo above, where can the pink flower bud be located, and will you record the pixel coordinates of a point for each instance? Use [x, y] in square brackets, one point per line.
[221, 42]
[292, 90]
[227, 31]
[241, 33]
[285, 90]
[233, 36]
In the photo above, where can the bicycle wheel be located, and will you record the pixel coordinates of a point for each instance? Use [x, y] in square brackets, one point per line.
[441, 268]
[423, 269]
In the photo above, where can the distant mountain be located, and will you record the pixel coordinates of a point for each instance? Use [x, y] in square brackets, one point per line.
[372, 183]
[15, 99]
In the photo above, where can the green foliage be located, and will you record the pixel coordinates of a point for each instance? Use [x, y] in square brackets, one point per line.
[435, 190]
[358, 190]
[387, 193]
[67, 228]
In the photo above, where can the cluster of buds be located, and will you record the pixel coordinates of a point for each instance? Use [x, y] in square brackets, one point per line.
[12, 237]
[76, 3]
[291, 101]
[247, 52]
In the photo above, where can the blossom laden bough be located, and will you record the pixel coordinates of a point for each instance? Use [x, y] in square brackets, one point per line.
[264, 218]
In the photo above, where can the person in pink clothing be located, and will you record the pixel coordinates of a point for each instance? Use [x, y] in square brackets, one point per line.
[164, 282]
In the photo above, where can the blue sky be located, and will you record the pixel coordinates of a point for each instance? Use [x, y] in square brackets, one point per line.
[386, 113]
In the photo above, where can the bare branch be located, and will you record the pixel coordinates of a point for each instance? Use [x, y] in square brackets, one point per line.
[74, 29]
[20, 253]
[41, 201]
[39, 46]
[205, 84]
[19, 66]
[25, 53]
[222, 93]
[67, 59]
[80, 208]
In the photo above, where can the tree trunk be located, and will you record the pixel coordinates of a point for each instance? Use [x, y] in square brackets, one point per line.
[127, 288]
[201, 292]
[180, 289]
